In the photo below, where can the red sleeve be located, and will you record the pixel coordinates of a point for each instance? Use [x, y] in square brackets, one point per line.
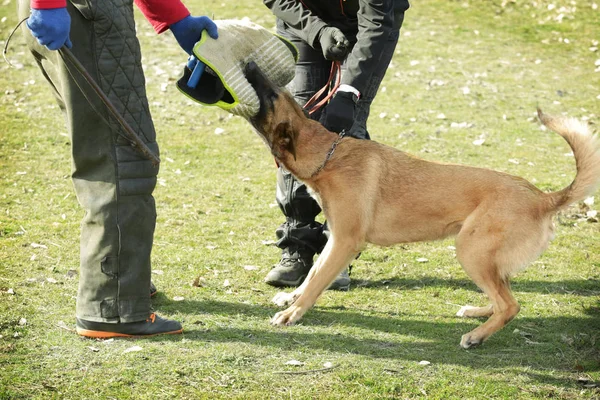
[46, 4]
[160, 13]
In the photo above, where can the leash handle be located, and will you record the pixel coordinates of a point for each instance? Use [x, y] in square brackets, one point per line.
[333, 83]
[136, 142]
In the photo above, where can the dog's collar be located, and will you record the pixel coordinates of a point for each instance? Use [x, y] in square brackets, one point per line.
[330, 153]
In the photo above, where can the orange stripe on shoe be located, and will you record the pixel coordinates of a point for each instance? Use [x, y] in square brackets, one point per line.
[108, 335]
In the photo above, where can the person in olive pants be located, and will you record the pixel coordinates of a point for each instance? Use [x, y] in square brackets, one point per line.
[363, 35]
[113, 182]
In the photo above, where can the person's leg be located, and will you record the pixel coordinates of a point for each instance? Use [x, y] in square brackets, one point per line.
[112, 181]
[300, 236]
[363, 107]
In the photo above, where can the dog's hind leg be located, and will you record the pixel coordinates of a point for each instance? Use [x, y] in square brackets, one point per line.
[478, 254]
[475, 312]
[330, 264]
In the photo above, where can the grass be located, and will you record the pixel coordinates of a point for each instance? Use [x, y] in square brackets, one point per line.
[217, 214]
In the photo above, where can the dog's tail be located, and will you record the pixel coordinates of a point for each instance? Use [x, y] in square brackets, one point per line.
[586, 149]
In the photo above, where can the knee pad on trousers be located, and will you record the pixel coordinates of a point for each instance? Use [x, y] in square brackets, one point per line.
[294, 200]
[137, 176]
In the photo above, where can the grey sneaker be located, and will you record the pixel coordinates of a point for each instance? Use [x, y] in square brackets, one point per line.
[154, 325]
[342, 282]
[291, 270]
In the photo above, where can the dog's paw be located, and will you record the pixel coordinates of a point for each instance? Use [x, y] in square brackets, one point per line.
[284, 299]
[470, 340]
[464, 311]
[287, 317]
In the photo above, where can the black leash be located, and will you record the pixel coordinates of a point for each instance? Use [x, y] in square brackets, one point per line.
[130, 135]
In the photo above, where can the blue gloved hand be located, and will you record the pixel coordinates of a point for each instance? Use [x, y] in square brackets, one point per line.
[51, 27]
[188, 31]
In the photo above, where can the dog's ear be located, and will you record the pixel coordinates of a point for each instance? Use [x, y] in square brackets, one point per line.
[286, 137]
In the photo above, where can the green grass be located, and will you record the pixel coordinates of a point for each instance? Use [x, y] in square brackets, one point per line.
[216, 212]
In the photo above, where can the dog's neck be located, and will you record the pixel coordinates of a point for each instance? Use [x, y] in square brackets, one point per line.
[315, 146]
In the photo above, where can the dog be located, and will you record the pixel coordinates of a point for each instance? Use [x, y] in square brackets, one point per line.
[373, 193]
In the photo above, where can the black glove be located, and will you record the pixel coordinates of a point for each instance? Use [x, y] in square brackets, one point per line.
[339, 113]
[334, 44]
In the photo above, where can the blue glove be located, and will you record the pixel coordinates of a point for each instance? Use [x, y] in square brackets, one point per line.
[188, 30]
[50, 27]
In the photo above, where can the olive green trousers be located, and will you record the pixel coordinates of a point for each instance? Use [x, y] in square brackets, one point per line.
[113, 182]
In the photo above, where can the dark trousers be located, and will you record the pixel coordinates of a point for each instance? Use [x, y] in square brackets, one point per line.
[112, 181]
[300, 231]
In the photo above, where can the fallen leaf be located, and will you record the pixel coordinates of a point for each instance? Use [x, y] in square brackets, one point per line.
[460, 125]
[591, 214]
[132, 349]
[199, 282]
[71, 273]
[61, 324]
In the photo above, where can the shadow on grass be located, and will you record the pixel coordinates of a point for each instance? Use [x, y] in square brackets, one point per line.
[410, 338]
[582, 287]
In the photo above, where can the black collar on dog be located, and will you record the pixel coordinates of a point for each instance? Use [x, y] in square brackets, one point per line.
[330, 153]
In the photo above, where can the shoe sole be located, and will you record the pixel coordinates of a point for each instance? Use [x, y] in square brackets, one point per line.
[107, 335]
[280, 283]
[344, 288]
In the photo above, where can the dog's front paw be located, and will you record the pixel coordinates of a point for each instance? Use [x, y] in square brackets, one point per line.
[287, 317]
[284, 299]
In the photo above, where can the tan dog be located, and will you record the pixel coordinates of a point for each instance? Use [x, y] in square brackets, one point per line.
[372, 193]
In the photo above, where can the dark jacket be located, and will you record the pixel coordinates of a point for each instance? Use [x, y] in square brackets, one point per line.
[366, 23]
